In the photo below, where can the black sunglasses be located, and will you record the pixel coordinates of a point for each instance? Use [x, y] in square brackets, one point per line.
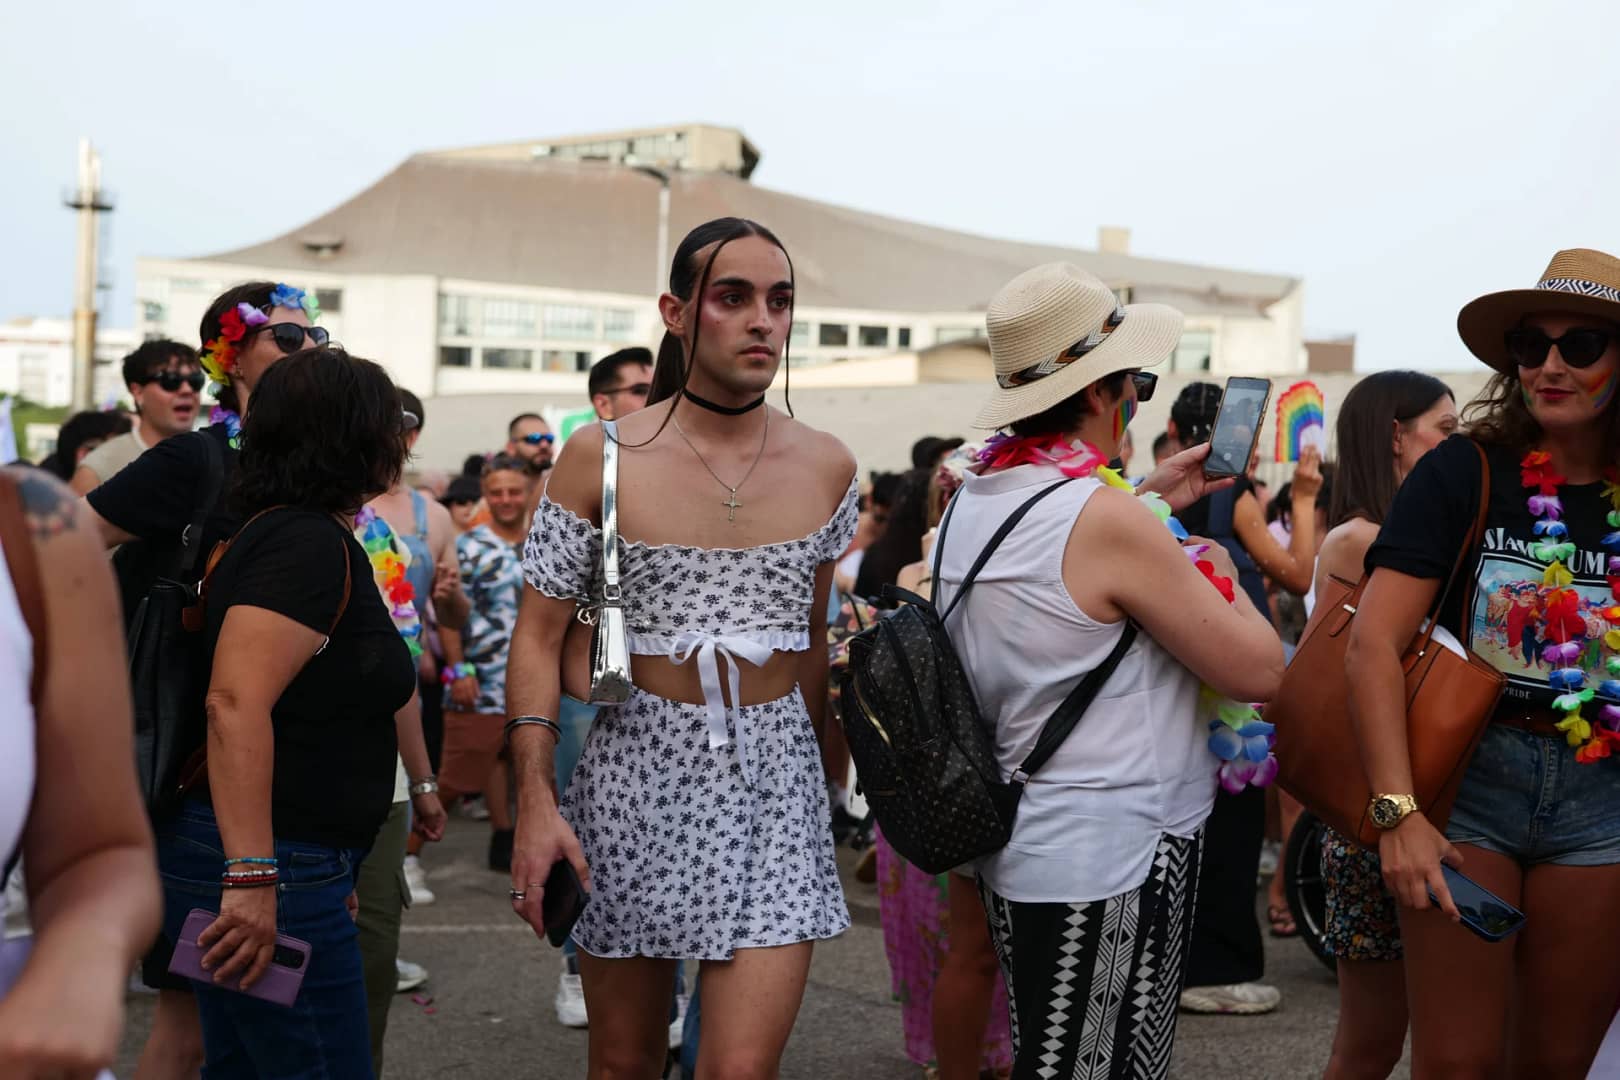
[640, 389]
[1146, 382]
[289, 336]
[171, 381]
[536, 438]
[1579, 348]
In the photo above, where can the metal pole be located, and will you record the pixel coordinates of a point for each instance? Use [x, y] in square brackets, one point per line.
[663, 225]
[87, 200]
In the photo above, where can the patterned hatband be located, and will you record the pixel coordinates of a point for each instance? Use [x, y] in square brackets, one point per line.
[1050, 366]
[1582, 288]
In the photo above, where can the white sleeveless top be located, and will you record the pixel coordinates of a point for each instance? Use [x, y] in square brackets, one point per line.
[1138, 764]
[16, 722]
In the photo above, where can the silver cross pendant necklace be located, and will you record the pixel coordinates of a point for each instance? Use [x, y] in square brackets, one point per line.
[730, 501]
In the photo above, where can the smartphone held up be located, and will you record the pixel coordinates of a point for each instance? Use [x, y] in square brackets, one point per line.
[1237, 427]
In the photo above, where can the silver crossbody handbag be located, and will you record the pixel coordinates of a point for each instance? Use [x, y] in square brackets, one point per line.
[610, 641]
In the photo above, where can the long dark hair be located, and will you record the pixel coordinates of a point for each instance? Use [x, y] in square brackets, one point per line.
[1500, 417]
[256, 293]
[673, 369]
[326, 432]
[1365, 483]
[901, 542]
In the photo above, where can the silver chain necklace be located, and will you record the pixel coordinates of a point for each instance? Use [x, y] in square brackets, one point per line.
[730, 503]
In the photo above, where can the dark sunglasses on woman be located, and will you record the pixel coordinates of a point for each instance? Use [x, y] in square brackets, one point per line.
[1579, 348]
[1146, 382]
[289, 336]
[170, 382]
[538, 438]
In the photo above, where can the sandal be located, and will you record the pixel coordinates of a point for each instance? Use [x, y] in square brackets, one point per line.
[1282, 921]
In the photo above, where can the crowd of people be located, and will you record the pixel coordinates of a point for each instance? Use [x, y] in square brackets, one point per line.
[361, 655]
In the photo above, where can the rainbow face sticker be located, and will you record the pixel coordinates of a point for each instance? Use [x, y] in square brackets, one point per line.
[1601, 391]
[1122, 417]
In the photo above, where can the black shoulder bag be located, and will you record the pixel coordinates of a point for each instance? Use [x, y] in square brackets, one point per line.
[924, 753]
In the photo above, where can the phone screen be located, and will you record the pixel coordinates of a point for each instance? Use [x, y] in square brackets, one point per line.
[1237, 426]
[1480, 908]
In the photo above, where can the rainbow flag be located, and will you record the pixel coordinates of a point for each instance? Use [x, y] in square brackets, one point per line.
[1301, 421]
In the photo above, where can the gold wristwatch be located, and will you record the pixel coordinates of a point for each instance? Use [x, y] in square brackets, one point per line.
[1388, 811]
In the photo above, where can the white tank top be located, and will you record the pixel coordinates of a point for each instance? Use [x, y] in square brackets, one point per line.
[1138, 764]
[16, 722]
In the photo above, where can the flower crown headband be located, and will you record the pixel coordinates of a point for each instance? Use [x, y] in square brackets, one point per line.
[218, 357]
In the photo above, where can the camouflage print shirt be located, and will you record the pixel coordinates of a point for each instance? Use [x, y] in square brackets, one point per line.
[492, 575]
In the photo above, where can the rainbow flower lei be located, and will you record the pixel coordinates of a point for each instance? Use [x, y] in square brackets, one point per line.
[218, 357]
[389, 559]
[1239, 738]
[1572, 656]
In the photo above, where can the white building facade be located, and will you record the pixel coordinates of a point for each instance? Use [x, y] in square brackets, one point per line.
[36, 361]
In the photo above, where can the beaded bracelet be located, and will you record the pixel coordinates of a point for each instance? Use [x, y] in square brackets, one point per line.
[452, 672]
[248, 875]
[250, 861]
[256, 883]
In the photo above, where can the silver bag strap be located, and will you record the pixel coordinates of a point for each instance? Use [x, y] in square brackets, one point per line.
[610, 512]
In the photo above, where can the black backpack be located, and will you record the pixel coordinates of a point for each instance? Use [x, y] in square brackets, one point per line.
[924, 755]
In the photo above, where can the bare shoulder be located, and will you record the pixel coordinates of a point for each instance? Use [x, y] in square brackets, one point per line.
[49, 507]
[1113, 516]
[835, 464]
[1344, 549]
[575, 481]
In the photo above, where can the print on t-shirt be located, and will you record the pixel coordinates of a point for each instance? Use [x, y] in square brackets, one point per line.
[1511, 624]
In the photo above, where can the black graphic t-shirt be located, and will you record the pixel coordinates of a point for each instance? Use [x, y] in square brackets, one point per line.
[1508, 624]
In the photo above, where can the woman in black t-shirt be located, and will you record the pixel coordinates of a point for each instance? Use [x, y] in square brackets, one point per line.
[1537, 819]
[307, 674]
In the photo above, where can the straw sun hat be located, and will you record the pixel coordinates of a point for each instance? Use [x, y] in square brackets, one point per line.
[1057, 329]
[1579, 281]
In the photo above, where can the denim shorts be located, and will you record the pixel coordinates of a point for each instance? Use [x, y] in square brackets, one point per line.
[1525, 796]
[324, 1035]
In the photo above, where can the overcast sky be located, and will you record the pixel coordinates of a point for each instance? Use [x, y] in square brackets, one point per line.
[1401, 158]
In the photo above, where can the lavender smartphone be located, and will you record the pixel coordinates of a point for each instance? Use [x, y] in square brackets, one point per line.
[278, 984]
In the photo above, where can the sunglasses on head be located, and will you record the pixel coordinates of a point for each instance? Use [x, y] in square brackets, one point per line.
[1578, 348]
[289, 337]
[539, 438]
[1146, 382]
[170, 382]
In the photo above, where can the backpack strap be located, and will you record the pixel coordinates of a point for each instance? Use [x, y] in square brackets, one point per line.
[23, 563]
[1064, 718]
[419, 511]
[191, 538]
[989, 549]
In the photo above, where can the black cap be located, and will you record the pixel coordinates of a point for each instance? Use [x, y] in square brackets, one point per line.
[463, 489]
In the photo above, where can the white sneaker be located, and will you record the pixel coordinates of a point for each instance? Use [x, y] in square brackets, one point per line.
[410, 975]
[1238, 999]
[677, 1026]
[571, 1002]
[475, 808]
[416, 878]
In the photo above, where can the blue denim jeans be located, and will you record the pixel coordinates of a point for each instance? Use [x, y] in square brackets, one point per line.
[323, 1036]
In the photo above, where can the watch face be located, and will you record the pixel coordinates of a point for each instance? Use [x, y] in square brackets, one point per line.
[1385, 812]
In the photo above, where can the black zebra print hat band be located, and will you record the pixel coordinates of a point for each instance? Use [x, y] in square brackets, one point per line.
[1579, 281]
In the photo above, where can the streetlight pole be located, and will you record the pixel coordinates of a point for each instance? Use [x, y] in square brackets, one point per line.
[88, 200]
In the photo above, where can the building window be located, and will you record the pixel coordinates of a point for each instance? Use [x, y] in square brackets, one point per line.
[152, 311]
[800, 337]
[947, 334]
[874, 337]
[455, 356]
[510, 319]
[1193, 352]
[834, 334]
[618, 324]
[330, 301]
[570, 323]
[509, 359]
[458, 316]
[565, 360]
[904, 336]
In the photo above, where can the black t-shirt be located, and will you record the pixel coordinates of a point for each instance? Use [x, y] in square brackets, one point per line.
[155, 498]
[1426, 527]
[334, 724]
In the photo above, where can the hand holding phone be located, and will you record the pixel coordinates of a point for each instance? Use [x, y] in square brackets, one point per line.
[565, 898]
[283, 975]
[1482, 911]
[1238, 421]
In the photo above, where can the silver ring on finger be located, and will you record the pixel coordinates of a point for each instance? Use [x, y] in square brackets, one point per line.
[518, 895]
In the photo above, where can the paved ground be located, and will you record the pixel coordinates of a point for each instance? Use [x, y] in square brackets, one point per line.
[493, 983]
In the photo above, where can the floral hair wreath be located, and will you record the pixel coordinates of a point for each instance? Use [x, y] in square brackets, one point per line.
[218, 357]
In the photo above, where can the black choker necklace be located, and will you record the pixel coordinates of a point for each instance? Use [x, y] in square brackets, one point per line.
[724, 410]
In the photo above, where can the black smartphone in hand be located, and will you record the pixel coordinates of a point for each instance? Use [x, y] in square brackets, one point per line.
[1482, 911]
[1237, 427]
[562, 902]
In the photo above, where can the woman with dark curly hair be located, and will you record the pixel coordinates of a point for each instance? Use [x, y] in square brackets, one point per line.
[308, 671]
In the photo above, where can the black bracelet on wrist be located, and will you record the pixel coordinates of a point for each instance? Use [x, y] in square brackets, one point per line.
[519, 721]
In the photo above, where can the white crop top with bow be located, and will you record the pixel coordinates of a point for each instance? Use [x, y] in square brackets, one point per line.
[721, 605]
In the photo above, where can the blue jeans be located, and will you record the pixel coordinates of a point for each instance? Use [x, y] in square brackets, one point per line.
[323, 1036]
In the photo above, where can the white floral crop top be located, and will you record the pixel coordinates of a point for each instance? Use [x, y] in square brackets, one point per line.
[719, 604]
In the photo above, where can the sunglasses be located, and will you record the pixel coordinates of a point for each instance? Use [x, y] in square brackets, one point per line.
[170, 382]
[1578, 348]
[539, 438]
[1146, 382]
[289, 337]
[640, 389]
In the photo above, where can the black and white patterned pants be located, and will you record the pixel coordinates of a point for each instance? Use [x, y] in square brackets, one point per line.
[1093, 987]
